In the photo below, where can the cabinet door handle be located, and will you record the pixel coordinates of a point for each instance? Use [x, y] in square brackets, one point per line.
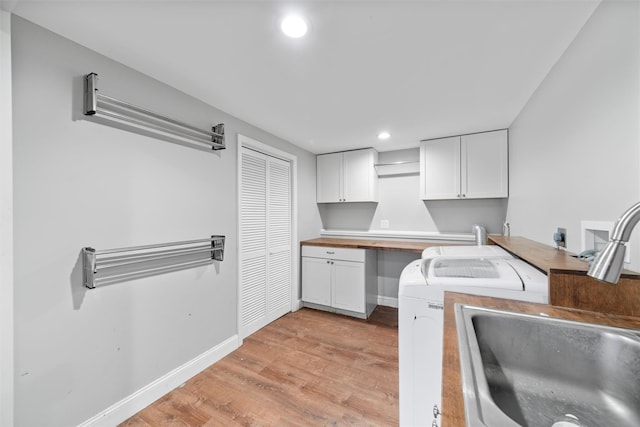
[328, 262]
[464, 195]
[330, 252]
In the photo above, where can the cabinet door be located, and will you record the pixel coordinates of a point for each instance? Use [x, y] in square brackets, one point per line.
[360, 179]
[440, 169]
[316, 280]
[329, 178]
[347, 290]
[485, 170]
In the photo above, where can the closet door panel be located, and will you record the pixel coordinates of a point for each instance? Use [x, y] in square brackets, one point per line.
[278, 238]
[253, 295]
[253, 205]
[253, 242]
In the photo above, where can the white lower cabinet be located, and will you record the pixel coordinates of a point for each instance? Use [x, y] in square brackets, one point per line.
[316, 273]
[340, 280]
[348, 290]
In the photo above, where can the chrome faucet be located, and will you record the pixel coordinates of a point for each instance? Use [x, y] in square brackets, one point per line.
[608, 264]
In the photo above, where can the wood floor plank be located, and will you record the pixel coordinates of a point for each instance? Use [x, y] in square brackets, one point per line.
[308, 368]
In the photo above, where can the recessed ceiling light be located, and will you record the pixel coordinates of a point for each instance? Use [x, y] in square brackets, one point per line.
[294, 26]
[384, 135]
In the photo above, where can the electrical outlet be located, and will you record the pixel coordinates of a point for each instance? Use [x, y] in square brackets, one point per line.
[384, 223]
[560, 237]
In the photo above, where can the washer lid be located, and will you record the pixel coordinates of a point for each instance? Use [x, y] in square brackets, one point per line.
[486, 251]
[480, 272]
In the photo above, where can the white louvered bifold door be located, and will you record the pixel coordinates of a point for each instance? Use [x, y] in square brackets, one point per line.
[253, 242]
[278, 238]
[265, 240]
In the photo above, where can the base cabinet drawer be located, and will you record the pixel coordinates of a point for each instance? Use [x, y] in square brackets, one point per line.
[327, 252]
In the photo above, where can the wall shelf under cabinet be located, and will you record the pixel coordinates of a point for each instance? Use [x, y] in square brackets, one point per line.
[398, 168]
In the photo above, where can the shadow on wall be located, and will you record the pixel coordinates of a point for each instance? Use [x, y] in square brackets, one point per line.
[347, 216]
[78, 289]
[458, 216]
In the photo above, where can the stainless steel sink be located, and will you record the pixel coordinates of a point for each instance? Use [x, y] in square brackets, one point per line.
[524, 370]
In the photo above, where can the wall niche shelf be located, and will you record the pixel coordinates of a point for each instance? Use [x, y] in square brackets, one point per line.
[398, 168]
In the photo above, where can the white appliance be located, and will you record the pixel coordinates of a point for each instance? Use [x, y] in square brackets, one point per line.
[490, 251]
[479, 270]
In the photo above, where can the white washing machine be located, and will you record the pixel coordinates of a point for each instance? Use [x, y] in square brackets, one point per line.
[479, 270]
[485, 251]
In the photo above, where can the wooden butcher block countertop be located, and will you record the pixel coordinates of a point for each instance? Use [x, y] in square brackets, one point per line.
[544, 257]
[416, 246]
[452, 400]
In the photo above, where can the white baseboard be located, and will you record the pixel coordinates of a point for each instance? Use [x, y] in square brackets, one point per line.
[388, 301]
[383, 301]
[148, 394]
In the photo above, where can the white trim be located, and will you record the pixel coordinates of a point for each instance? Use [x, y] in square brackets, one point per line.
[387, 301]
[408, 235]
[142, 398]
[245, 141]
[6, 226]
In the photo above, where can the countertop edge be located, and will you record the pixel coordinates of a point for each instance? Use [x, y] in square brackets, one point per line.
[412, 246]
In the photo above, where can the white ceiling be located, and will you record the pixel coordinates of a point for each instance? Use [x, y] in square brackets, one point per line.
[419, 69]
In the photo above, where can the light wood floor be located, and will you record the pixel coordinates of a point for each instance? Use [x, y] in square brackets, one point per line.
[308, 368]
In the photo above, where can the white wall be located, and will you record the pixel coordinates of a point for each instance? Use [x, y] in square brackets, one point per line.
[390, 266]
[400, 204]
[79, 183]
[6, 225]
[575, 147]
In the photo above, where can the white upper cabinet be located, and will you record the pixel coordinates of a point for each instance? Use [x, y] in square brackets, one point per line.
[486, 172]
[329, 178]
[348, 176]
[471, 166]
[440, 168]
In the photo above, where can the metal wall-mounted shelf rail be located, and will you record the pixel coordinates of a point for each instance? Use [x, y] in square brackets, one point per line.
[118, 265]
[100, 105]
